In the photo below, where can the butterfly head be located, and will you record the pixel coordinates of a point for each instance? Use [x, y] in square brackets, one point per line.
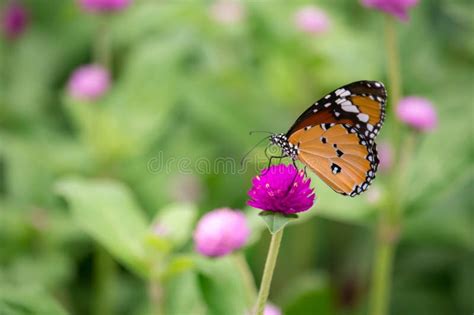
[278, 139]
[288, 149]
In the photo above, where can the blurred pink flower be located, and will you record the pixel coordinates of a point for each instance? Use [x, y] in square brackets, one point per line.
[418, 113]
[281, 188]
[271, 309]
[221, 232]
[385, 155]
[227, 11]
[311, 19]
[104, 5]
[88, 83]
[14, 20]
[397, 8]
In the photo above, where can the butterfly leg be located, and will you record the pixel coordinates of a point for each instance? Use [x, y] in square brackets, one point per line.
[294, 178]
[270, 159]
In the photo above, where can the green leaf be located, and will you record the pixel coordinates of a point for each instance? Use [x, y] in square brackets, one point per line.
[182, 295]
[15, 301]
[221, 286]
[106, 210]
[276, 221]
[179, 264]
[177, 221]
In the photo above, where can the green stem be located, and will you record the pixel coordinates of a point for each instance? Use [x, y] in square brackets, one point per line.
[102, 53]
[268, 272]
[393, 61]
[393, 72]
[247, 277]
[388, 232]
[104, 276]
[155, 292]
[381, 279]
[391, 214]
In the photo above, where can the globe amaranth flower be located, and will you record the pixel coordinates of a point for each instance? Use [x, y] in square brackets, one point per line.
[397, 8]
[271, 309]
[88, 83]
[221, 232]
[227, 11]
[281, 188]
[311, 19]
[104, 5]
[418, 113]
[14, 19]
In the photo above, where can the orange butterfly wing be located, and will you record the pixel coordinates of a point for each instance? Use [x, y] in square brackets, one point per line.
[340, 155]
[360, 104]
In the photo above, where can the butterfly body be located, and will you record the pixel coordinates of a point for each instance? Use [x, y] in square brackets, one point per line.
[335, 136]
[289, 149]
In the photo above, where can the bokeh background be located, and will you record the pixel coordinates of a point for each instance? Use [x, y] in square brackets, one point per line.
[190, 79]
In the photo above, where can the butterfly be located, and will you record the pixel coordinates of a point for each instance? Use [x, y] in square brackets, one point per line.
[335, 136]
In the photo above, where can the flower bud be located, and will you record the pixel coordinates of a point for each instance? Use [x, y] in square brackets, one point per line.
[221, 232]
[418, 113]
[89, 83]
[104, 5]
[397, 8]
[14, 20]
[311, 19]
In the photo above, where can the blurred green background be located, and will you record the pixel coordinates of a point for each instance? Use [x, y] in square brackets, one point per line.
[77, 195]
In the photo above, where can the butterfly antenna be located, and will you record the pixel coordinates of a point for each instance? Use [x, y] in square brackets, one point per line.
[259, 131]
[249, 151]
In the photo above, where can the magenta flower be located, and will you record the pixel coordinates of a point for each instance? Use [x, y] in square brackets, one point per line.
[88, 83]
[221, 232]
[14, 20]
[281, 188]
[418, 113]
[311, 19]
[385, 155]
[397, 8]
[227, 11]
[104, 5]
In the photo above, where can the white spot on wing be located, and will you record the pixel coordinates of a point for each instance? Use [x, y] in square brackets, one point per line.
[346, 103]
[350, 108]
[345, 93]
[364, 118]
